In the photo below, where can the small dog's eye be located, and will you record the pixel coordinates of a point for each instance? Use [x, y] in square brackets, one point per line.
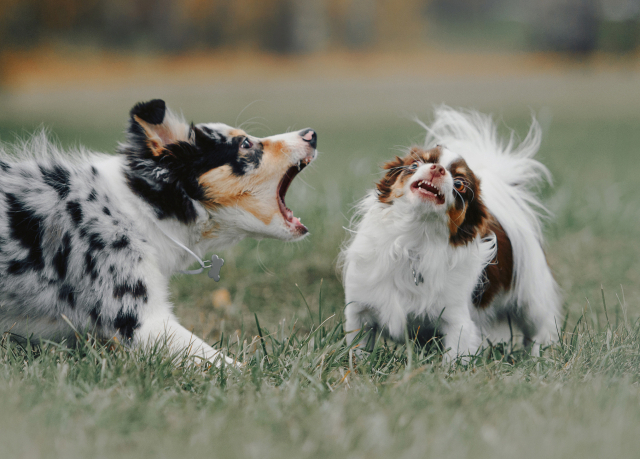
[246, 143]
[459, 185]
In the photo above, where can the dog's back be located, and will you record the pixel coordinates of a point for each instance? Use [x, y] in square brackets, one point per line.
[56, 219]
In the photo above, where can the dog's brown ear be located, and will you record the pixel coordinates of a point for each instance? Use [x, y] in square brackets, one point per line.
[157, 126]
[385, 185]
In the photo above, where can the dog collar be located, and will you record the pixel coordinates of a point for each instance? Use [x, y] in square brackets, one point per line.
[417, 276]
[213, 266]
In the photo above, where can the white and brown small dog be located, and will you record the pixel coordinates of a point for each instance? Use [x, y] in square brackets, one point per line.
[451, 239]
[91, 240]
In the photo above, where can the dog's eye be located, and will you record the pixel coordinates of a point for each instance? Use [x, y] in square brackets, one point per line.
[246, 144]
[459, 185]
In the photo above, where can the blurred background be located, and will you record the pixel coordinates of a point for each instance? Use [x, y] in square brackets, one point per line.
[307, 26]
[359, 72]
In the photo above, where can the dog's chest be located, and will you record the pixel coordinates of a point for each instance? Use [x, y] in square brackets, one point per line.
[418, 279]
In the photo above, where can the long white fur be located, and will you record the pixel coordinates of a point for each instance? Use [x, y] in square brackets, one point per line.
[388, 240]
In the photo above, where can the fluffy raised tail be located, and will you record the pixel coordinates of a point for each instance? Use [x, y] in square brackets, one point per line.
[498, 162]
[509, 179]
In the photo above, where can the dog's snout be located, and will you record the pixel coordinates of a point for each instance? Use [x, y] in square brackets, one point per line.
[309, 135]
[437, 169]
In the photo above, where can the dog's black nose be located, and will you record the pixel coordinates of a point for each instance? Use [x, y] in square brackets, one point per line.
[309, 135]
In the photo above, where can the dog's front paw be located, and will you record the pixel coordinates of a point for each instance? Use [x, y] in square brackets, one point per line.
[450, 359]
[216, 360]
[228, 362]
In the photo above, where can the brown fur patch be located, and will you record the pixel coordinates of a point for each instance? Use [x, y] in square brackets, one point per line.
[498, 276]
[237, 133]
[211, 231]
[467, 216]
[456, 217]
[223, 189]
[427, 156]
[275, 148]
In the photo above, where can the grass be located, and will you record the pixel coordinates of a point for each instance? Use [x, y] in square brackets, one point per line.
[300, 395]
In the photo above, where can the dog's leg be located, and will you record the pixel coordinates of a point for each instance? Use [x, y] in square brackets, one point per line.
[359, 318]
[540, 326]
[538, 312]
[178, 339]
[462, 336]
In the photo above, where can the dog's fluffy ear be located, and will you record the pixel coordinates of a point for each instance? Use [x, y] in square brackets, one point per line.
[153, 125]
[385, 185]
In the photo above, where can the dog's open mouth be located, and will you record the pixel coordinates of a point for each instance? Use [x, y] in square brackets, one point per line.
[428, 190]
[293, 221]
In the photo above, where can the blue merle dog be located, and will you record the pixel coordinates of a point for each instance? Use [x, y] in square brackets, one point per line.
[90, 240]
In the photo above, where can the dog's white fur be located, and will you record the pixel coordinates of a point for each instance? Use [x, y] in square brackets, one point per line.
[390, 240]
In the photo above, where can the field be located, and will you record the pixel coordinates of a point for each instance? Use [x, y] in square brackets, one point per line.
[300, 395]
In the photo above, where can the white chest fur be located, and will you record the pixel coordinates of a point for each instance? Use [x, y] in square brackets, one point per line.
[382, 256]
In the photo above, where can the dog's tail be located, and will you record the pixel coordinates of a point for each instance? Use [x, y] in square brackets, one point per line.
[510, 179]
[505, 167]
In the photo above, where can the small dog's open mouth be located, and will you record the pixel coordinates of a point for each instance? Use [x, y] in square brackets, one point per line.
[428, 190]
[293, 221]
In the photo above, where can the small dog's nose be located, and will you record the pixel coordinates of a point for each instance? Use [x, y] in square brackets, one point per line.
[309, 135]
[437, 169]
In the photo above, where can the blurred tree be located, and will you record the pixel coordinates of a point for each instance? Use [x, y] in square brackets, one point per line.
[620, 28]
[284, 26]
[360, 23]
[306, 26]
[565, 25]
[400, 24]
[464, 10]
[309, 30]
[20, 23]
[119, 23]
